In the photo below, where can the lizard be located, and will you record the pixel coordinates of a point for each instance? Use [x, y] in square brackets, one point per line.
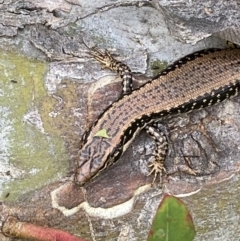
[198, 80]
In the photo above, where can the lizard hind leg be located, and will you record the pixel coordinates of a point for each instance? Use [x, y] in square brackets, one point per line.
[161, 149]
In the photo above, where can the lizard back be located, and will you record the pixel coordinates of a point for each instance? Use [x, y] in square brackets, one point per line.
[193, 82]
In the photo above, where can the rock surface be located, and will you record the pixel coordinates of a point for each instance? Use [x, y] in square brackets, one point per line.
[48, 97]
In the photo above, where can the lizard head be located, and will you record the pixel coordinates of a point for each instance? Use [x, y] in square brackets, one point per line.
[93, 158]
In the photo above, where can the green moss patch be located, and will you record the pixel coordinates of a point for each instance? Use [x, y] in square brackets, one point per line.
[157, 66]
[34, 156]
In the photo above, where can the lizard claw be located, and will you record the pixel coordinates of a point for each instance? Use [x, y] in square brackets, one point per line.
[157, 169]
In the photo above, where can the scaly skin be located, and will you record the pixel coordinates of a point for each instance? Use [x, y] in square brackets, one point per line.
[196, 81]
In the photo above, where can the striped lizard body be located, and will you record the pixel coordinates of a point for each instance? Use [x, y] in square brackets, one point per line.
[198, 80]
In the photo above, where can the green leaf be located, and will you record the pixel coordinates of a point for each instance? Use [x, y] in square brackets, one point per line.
[172, 222]
[102, 133]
